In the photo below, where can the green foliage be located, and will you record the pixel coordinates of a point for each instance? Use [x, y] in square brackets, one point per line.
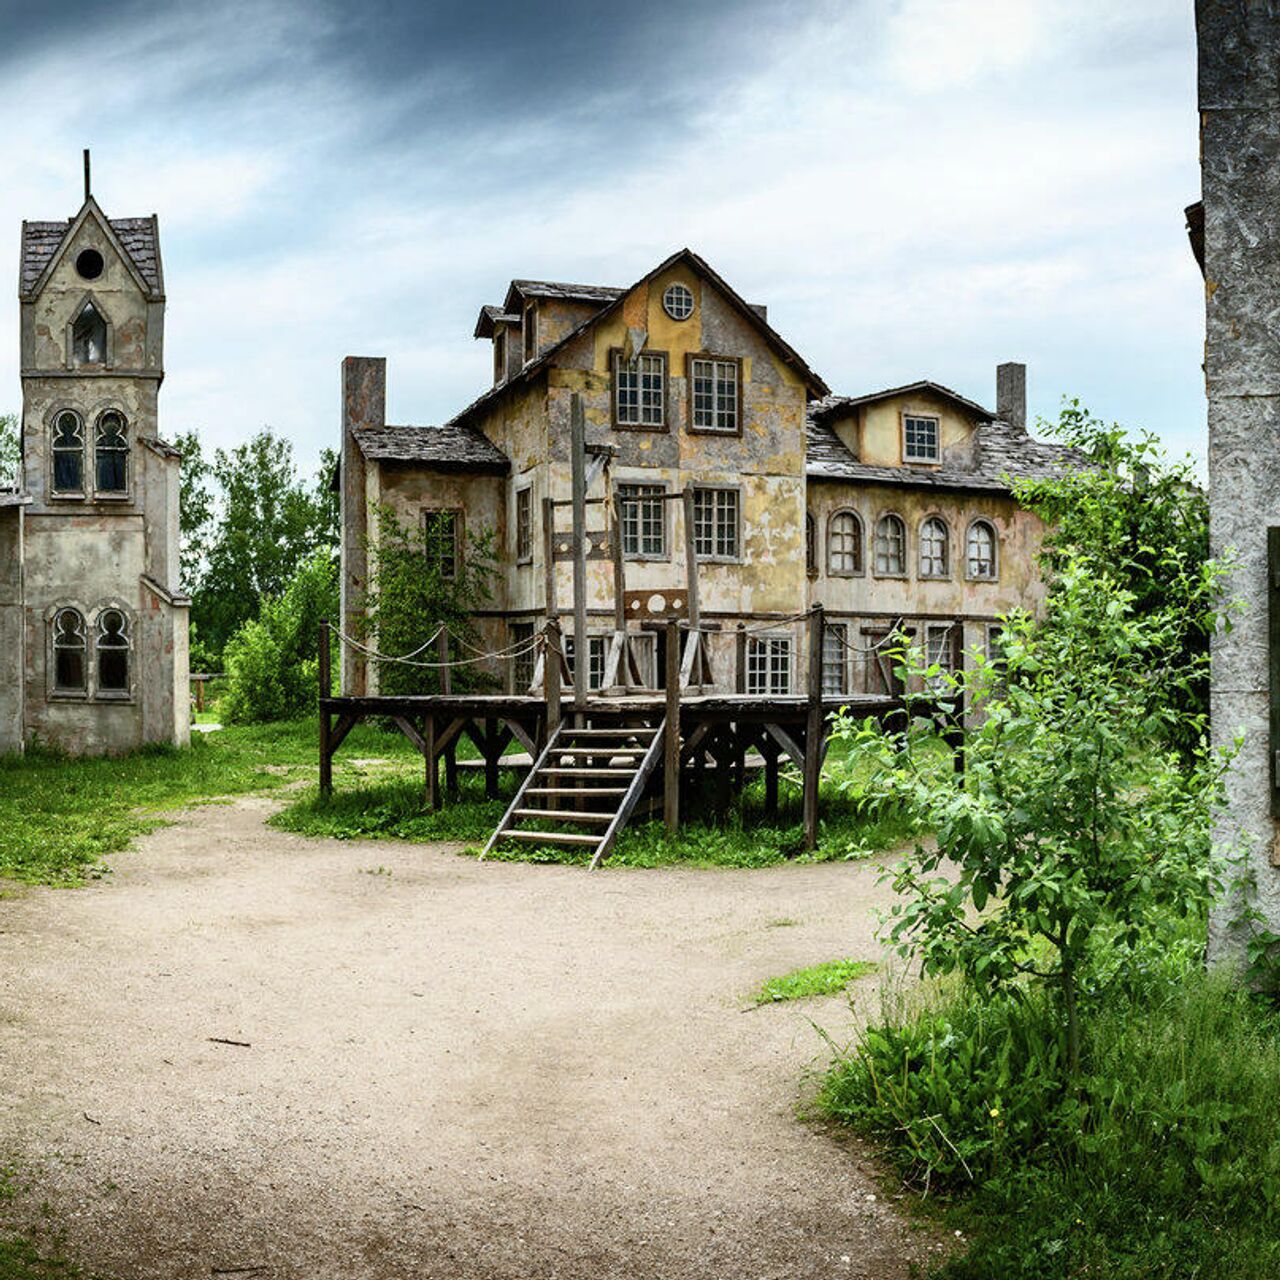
[1075, 822]
[1164, 1161]
[826, 979]
[249, 522]
[410, 594]
[271, 661]
[10, 447]
[1139, 518]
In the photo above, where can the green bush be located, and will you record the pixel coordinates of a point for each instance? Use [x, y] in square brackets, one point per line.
[1162, 1161]
[271, 661]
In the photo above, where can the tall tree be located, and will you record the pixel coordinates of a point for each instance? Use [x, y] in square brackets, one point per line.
[196, 508]
[9, 448]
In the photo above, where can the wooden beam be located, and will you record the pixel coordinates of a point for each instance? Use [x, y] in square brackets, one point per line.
[326, 691]
[553, 651]
[410, 731]
[691, 562]
[634, 790]
[578, 448]
[814, 724]
[671, 731]
[787, 743]
[431, 758]
[549, 555]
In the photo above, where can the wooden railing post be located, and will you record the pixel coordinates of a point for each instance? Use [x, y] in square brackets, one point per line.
[326, 691]
[740, 658]
[551, 651]
[671, 747]
[815, 728]
[446, 672]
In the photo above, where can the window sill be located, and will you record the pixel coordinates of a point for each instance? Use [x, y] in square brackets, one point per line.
[728, 432]
[523, 562]
[718, 559]
[892, 577]
[112, 497]
[969, 577]
[67, 496]
[636, 557]
[846, 573]
[922, 462]
[106, 696]
[934, 577]
[68, 695]
[660, 430]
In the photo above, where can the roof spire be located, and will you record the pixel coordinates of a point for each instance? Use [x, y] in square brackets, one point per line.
[87, 185]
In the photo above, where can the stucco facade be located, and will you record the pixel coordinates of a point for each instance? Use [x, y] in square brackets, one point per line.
[685, 385]
[89, 597]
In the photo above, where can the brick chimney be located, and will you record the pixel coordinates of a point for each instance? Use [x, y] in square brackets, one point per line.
[364, 404]
[1011, 394]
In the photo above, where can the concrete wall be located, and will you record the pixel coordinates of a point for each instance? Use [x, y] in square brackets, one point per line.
[11, 629]
[1240, 159]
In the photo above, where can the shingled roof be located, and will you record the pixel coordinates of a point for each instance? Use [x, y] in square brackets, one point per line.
[447, 448]
[600, 293]
[831, 406]
[138, 237]
[1003, 453]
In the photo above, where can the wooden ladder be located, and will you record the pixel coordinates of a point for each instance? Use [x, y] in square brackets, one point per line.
[586, 779]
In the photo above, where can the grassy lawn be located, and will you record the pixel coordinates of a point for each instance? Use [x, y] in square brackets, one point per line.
[60, 816]
[826, 979]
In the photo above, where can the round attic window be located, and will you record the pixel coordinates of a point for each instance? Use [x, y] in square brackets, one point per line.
[677, 302]
[89, 263]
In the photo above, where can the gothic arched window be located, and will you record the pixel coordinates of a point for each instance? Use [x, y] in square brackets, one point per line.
[68, 453]
[89, 336]
[113, 651]
[69, 646]
[844, 544]
[111, 454]
[981, 551]
[891, 546]
[935, 548]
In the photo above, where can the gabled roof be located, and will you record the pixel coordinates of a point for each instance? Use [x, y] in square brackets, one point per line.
[834, 406]
[519, 290]
[490, 318]
[446, 448]
[1003, 453]
[137, 239]
[746, 309]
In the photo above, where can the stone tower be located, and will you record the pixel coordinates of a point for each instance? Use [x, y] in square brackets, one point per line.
[103, 623]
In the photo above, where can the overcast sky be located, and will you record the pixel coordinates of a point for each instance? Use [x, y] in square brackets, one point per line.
[916, 188]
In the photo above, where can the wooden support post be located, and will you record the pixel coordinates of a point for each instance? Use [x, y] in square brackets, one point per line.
[671, 747]
[492, 753]
[446, 672]
[578, 447]
[326, 691]
[770, 777]
[740, 658]
[815, 728]
[619, 573]
[553, 648]
[446, 687]
[549, 555]
[691, 561]
[432, 764]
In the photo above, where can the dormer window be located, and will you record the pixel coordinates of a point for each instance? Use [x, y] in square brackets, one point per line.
[530, 333]
[920, 438]
[89, 337]
[499, 356]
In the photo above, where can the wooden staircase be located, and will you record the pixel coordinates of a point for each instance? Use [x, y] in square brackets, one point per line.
[589, 780]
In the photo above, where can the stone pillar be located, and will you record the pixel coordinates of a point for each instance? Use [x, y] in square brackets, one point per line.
[364, 404]
[1239, 63]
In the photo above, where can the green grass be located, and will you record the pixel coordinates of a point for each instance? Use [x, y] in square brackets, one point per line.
[1163, 1163]
[826, 979]
[20, 1258]
[59, 817]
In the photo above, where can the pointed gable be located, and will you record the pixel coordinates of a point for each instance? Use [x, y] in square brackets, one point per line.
[137, 241]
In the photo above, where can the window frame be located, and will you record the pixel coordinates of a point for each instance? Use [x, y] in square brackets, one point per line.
[524, 524]
[716, 557]
[693, 358]
[994, 575]
[499, 355]
[933, 575]
[54, 491]
[90, 299]
[99, 692]
[124, 493]
[659, 495]
[617, 357]
[766, 643]
[597, 648]
[55, 692]
[459, 535]
[915, 458]
[666, 294]
[520, 633]
[529, 333]
[876, 571]
[947, 658]
[838, 631]
[860, 569]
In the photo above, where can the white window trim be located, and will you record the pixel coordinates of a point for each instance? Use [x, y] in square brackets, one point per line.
[622, 363]
[738, 396]
[524, 491]
[890, 574]
[936, 458]
[832, 571]
[948, 547]
[994, 575]
[766, 640]
[663, 488]
[711, 557]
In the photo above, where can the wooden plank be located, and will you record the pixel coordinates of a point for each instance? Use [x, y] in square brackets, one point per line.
[549, 556]
[588, 817]
[549, 837]
[344, 726]
[410, 731]
[1273, 659]
[628, 802]
[576, 791]
[622, 731]
[578, 456]
[326, 690]
[584, 771]
[814, 736]
[619, 571]
[690, 562]
[554, 650]
[518, 799]
[432, 762]
[520, 734]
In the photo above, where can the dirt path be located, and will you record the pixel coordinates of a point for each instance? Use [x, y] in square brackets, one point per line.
[458, 1070]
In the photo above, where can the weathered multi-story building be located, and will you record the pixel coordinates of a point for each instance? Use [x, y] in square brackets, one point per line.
[893, 509]
[93, 627]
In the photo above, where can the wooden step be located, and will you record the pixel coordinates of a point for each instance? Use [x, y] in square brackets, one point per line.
[609, 733]
[549, 837]
[566, 815]
[599, 749]
[581, 771]
[575, 791]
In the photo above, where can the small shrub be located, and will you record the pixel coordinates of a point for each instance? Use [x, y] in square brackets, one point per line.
[826, 979]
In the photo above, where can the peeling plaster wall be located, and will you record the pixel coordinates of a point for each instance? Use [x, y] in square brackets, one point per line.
[1239, 48]
[11, 631]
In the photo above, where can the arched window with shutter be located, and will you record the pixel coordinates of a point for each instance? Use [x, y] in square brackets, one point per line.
[980, 551]
[935, 548]
[844, 544]
[891, 547]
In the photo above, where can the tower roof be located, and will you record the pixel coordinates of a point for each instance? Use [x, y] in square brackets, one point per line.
[139, 238]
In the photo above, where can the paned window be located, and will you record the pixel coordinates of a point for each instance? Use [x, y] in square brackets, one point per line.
[69, 652]
[677, 301]
[919, 439]
[935, 550]
[769, 665]
[715, 394]
[982, 550]
[639, 390]
[715, 524]
[891, 546]
[994, 646]
[939, 652]
[835, 664]
[524, 659]
[644, 520]
[112, 648]
[68, 454]
[844, 544]
[524, 524]
[111, 454]
[442, 535]
[89, 337]
[597, 651]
